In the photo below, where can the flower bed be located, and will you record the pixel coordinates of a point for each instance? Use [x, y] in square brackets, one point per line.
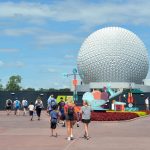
[112, 116]
[146, 111]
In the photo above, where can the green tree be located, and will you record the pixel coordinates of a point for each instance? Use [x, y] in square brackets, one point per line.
[52, 90]
[64, 90]
[28, 89]
[1, 86]
[13, 83]
[42, 90]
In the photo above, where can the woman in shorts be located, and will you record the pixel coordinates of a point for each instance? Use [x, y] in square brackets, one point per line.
[69, 116]
[86, 117]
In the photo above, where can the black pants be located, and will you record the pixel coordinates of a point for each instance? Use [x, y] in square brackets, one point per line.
[38, 112]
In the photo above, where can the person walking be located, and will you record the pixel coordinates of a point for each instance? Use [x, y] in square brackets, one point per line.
[38, 106]
[86, 118]
[69, 116]
[61, 105]
[24, 106]
[54, 114]
[8, 106]
[31, 110]
[16, 105]
[51, 102]
[147, 103]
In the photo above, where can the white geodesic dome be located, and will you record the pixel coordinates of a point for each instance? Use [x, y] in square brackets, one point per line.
[113, 54]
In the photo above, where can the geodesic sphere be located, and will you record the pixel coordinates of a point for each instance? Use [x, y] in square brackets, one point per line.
[113, 54]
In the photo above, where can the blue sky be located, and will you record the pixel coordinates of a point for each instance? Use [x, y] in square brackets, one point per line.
[40, 39]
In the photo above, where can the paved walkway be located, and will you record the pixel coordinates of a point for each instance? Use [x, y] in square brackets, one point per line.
[18, 133]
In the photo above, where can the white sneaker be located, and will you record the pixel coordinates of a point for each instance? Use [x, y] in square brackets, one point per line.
[69, 138]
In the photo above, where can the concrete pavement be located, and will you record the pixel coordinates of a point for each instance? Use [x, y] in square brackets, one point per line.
[19, 133]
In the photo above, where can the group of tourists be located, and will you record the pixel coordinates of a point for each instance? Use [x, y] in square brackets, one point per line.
[17, 105]
[67, 112]
[64, 112]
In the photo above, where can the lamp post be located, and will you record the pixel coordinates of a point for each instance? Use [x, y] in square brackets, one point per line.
[75, 82]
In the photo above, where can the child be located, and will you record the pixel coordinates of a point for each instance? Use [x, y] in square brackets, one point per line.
[31, 110]
[61, 105]
[53, 120]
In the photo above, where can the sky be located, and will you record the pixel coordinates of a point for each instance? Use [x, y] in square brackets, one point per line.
[40, 39]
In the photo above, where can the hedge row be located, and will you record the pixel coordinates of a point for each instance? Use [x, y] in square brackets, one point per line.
[112, 116]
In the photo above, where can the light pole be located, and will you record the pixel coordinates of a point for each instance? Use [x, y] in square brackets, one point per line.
[75, 82]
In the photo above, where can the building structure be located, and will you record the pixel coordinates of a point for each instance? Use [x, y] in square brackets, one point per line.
[113, 56]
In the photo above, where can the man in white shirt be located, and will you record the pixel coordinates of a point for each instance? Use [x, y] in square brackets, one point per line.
[24, 106]
[147, 103]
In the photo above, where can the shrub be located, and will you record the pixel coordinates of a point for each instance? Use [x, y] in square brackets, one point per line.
[112, 116]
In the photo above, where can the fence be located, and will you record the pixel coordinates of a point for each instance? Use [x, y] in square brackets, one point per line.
[139, 98]
[32, 95]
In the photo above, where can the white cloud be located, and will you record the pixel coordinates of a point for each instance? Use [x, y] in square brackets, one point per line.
[23, 9]
[18, 64]
[55, 38]
[20, 32]
[87, 13]
[42, 37]
[8, 50]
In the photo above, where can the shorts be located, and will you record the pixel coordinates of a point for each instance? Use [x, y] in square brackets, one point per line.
[69, 117]
[25, 107]
[53, 125]
[62, 117]
[8, 107]
[31, 113]
[86, 120]
[17, 108]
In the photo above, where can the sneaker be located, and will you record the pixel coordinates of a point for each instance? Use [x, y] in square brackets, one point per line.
[72, 137]
[77, 125]
[63, 125]
[69, 138]
[87, 137]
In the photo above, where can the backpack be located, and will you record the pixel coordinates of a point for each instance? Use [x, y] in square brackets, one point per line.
[25, 103]
[9, 102]
[54, 117]
[53, 104]
[17, 104]
[70, 110]
[62, 104]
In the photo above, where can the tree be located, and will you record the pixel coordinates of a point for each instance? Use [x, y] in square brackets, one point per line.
[28, 89]
[1, 86]
[42, 90]
[64, 90]
[13, 83]
[52, 90]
